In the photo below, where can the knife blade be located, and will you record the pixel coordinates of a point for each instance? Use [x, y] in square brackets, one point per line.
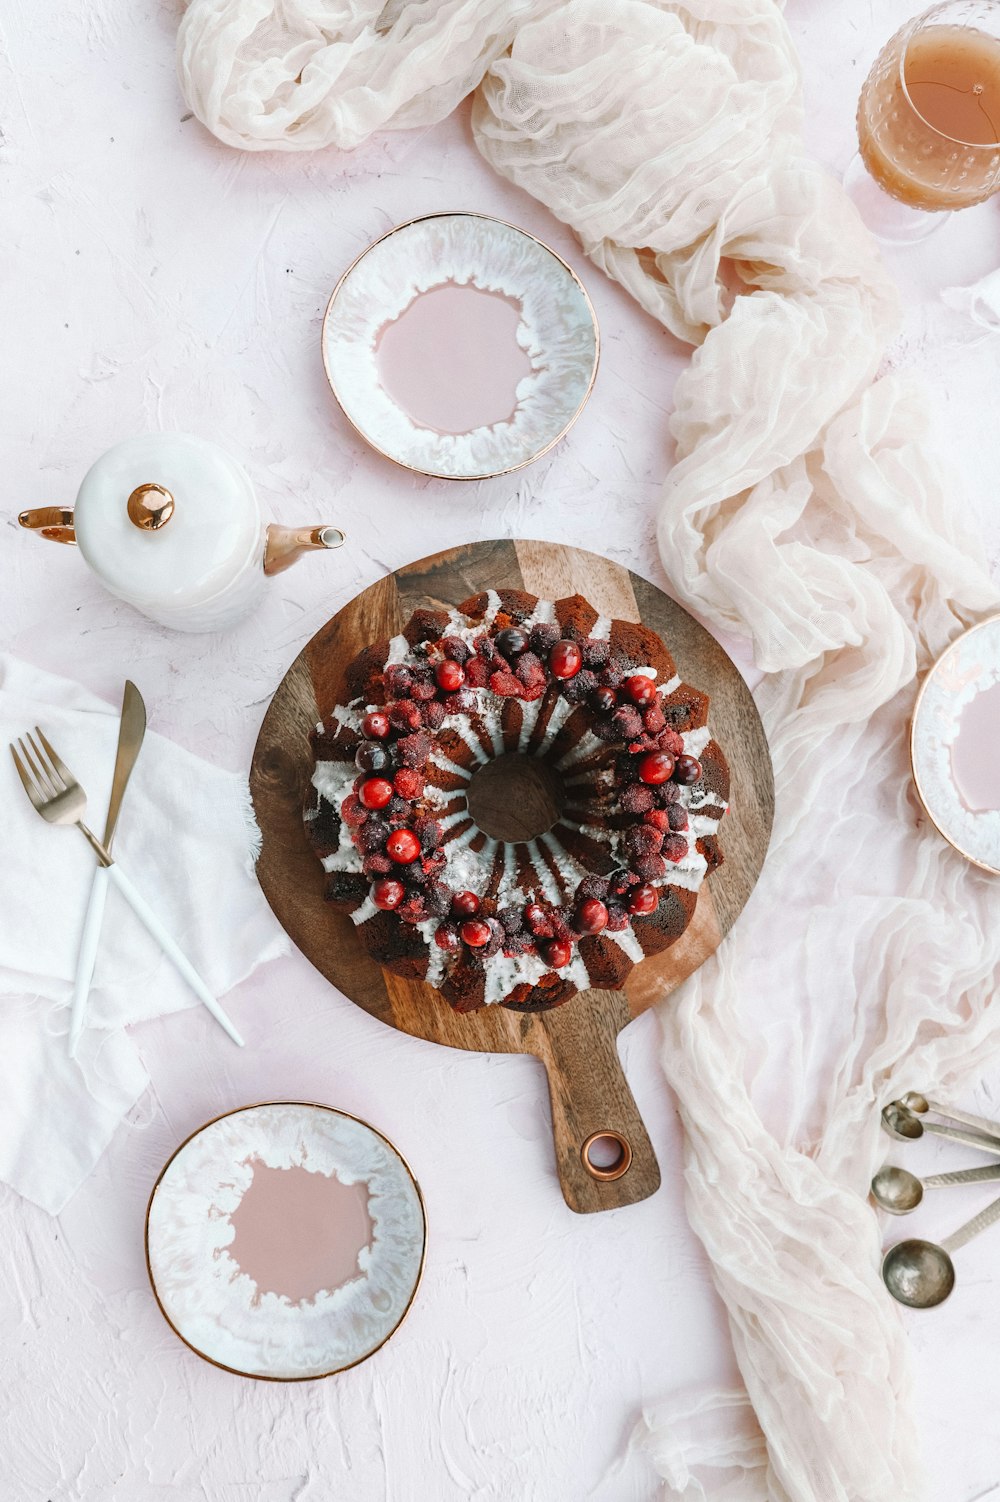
[131, 730]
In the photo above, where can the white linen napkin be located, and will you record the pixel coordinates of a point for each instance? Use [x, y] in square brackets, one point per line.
[187, 837]
[980, 301]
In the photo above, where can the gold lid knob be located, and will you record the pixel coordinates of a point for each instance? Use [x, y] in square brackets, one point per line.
[150, 507]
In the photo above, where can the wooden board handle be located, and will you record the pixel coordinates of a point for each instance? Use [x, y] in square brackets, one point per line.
[591, 1100]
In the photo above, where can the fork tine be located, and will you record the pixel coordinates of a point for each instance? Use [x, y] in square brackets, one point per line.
[40, 781]
[60, 766]
[51, 771]
[40, 768]
[29, 786]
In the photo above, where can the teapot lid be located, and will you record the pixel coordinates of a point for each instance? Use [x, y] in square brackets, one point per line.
[167, 518]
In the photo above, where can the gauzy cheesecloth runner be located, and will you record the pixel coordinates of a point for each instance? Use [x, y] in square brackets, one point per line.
[801, 513]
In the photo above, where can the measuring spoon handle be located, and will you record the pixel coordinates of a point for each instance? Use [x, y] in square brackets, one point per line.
[969, 1139]
[978, 1123]
[963, 1176]
[972, 1227]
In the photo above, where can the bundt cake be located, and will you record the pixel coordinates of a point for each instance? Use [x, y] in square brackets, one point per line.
[525, 924]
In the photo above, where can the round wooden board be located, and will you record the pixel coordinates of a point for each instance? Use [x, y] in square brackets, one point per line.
[577, 1043]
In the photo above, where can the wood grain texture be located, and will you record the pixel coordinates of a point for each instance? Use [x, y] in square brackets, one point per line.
[576, 1043]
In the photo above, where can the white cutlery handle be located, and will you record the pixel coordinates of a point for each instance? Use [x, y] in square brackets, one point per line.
[144, 912]
[87, 956]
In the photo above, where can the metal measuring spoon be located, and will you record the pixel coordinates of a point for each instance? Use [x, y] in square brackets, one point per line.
[914, 1101]
[922, 1274]
[899, 1191]
[905, 1127]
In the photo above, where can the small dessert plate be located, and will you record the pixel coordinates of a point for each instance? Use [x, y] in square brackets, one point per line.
[285, 1241]
[955, 744]
[460, 346]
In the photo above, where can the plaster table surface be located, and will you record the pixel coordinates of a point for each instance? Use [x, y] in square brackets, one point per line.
[154, 279]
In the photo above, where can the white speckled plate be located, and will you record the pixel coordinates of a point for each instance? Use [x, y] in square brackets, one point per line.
[970, 665]
[216, 1308]
[557, 332]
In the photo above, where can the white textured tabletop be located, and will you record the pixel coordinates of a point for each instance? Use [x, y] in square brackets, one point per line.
[153, 279]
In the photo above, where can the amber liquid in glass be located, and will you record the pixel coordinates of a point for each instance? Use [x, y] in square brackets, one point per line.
[934, 144]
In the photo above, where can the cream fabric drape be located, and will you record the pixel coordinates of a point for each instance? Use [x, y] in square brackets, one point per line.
[802, 513]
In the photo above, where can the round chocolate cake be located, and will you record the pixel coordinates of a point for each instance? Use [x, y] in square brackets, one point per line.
[525, 923]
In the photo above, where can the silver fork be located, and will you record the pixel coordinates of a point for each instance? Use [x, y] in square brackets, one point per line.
[60, 799]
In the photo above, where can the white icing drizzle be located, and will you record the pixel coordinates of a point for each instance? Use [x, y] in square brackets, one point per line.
[365, 911]
[436, 959]
[585, 746]
[671, 686]
[399, 650]
[695, 741]
[601, 630]
[626, 939]
[462, 726]
[529, 719]
[561, 711]
[440, 760]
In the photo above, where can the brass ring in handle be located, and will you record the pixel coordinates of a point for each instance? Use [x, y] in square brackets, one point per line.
[615, 1170]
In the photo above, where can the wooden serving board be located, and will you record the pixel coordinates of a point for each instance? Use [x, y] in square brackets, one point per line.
[577, 1043]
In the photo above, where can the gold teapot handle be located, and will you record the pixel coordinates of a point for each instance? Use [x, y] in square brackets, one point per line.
[285, 545]
[52, 522]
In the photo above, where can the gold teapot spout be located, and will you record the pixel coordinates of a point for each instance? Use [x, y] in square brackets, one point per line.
[52, 522]
[285, 545]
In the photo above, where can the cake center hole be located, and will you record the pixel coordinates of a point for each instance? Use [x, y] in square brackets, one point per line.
[299, 1232]
[515, 797]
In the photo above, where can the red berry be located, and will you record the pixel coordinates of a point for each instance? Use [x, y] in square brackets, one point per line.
[387, 893]
[372, 756]
[558, 952]
[644, 899]
[476, 933]
[565, 659]
[402, 846]
[351, 810]
[511, 642]
[408, 783]
[656, 767]
[592, 916]
[534, 915]
[604, 700]
[375, 726]
[465, 904]
[447, 937]
[450, 675]
[640, 689]
[687, 770]
[657, 818]
[376, 792]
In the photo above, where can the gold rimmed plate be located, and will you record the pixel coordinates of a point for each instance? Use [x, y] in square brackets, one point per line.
[460, 346]
[966, 677]
[285, 1241]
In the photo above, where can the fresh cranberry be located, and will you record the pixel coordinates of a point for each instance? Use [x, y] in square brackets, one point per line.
[376, 792]
[557, 953]
[372, 757]
[687, 769]
[402, 846]
[465, 904]
[447, 937]
[388, 893]
[565, 659]
[535, 915]
[375, 725]
[476, 933]
[450, 675]
[640, 689]
[656, 767]
[511, 642]
[604, 700]
[644, 899]
[592, 916]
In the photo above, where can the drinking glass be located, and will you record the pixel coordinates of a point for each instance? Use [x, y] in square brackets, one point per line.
[929, 121]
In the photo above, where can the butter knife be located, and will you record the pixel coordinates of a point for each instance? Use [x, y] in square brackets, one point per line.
[130, 734]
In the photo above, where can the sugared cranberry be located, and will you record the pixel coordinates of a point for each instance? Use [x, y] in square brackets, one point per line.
[376, 792]
[402, 846]
[450, 675]
[640, 689]
[534, 916]
[371, 757]
[511, 642]
[465, 904]
[604, 700]
[476, 933]
[565, 659]
[644, 899]
[351, 810]
[687, 769]
[557, 953]
[387, 893]
[447, 937]
[657, 767]
[375, 725]
[592, 916]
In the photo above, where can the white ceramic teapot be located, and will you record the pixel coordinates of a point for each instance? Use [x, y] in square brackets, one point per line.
[171, 523]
